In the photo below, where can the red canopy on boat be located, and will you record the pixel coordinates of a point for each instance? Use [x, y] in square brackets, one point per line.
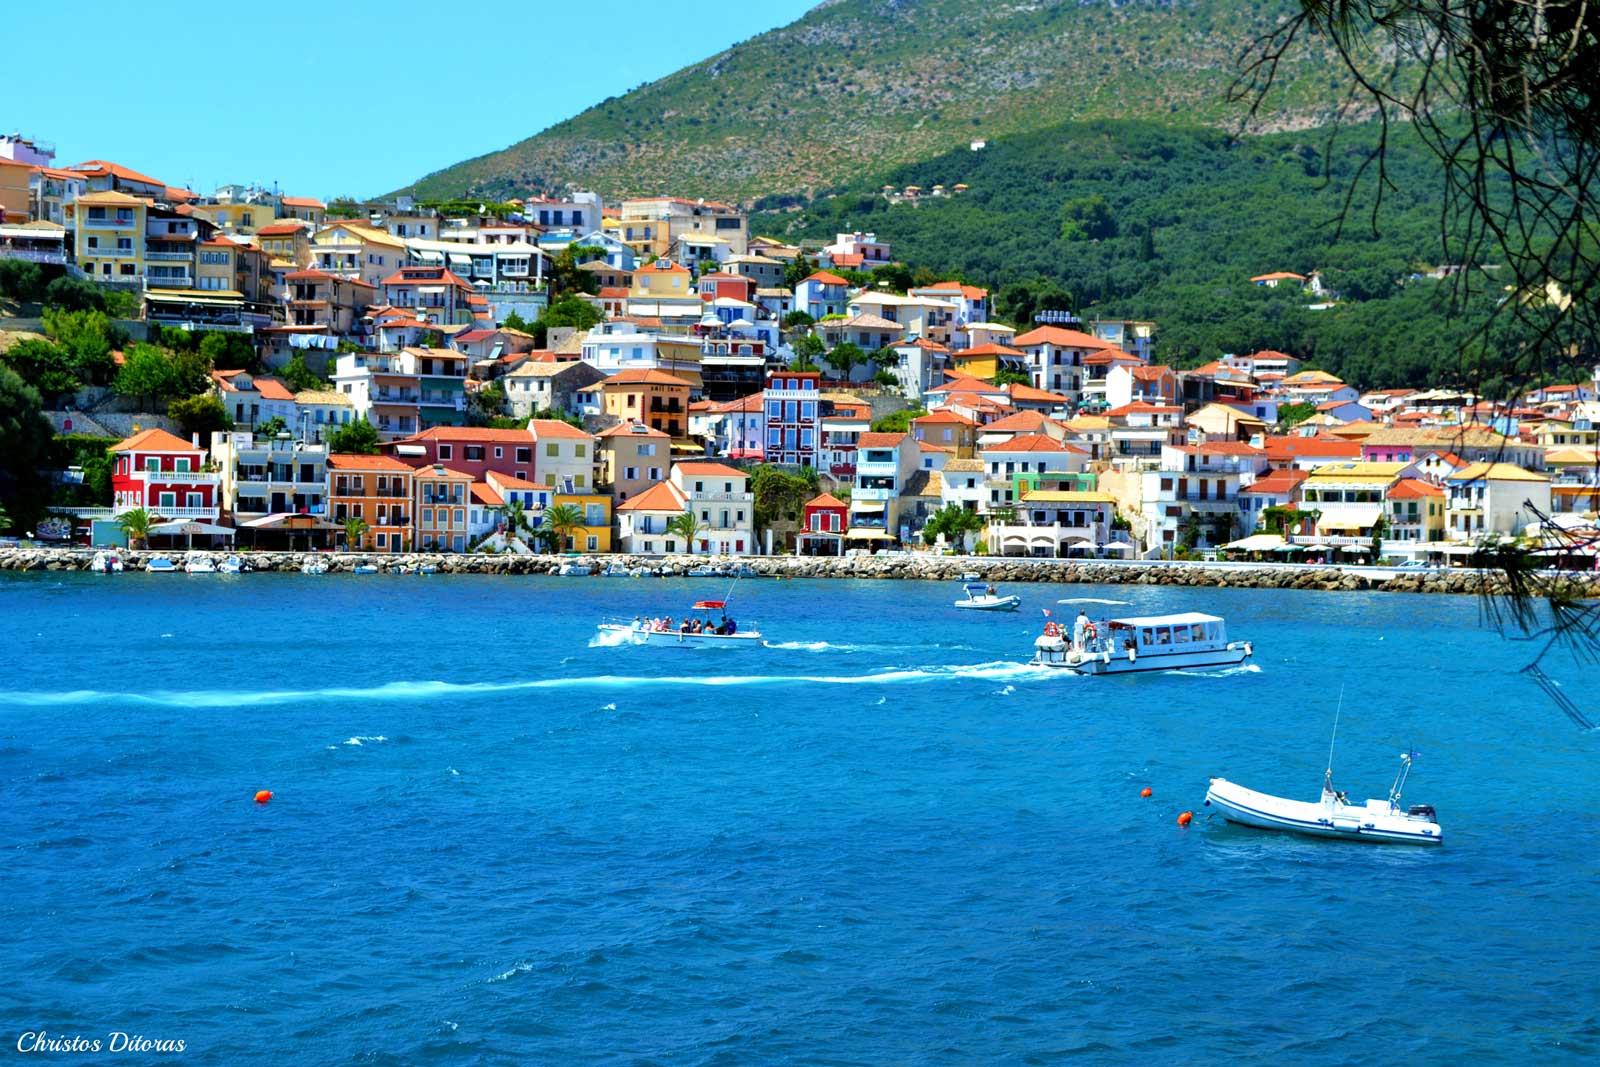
[702, 604]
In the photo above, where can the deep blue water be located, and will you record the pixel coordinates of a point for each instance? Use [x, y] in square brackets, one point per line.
[885, 843]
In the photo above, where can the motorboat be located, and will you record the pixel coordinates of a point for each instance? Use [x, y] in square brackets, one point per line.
[981, 597]
[642, 632]
[1332, 814]
[313, 566]
[195, 563]
[160, 565]
[706, 572]
[426, 568]
[573, 570]
[1184, 641]
[616, 570]
[364, 568]
[232, 565]
[106, 563]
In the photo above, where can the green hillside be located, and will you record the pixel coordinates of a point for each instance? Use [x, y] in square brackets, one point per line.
[1163, 223]
[856, 85]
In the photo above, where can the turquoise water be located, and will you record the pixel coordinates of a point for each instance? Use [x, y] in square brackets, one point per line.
[884, 841]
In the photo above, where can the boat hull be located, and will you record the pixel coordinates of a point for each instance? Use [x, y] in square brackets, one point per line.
[988, 603]
[1097, 662]
[675, 639]
[1371, 823]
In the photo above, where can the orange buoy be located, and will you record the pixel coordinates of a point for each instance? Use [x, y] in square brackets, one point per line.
[1185, 818]
[263, 796]
[1145, 791]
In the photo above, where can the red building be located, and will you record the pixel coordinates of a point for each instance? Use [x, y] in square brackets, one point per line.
[161, 473]
[472, 450]
[794, 417]
[822, 534]
[734, 286]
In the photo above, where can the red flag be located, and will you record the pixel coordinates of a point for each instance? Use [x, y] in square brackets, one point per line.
[1046, 612]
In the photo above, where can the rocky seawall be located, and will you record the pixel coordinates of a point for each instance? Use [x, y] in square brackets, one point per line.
[913, 568]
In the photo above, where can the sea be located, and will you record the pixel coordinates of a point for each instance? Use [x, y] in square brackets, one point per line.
[878, 838]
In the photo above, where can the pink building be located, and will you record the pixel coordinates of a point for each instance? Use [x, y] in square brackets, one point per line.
[822, 533]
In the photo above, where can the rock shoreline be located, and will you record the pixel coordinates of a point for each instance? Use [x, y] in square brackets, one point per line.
[913, 568]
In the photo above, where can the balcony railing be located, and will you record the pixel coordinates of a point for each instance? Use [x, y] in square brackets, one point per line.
[32, 255]
[172, 477]
[172, 513]
[168, 257]
[722, 498]
[110, 222]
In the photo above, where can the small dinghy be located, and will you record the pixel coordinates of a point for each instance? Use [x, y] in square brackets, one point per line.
[982, 597]
[160, 565]
[232, 565]
[364, 568]
[106, 563]
[1332, 814]
[199, 564]
[313, 566]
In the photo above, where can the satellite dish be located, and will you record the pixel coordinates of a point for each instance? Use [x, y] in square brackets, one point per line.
[1295, 529]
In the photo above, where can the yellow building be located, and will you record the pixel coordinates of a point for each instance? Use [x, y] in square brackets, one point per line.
[14, 191]
[660, 279]
[986, 361]
[229, 265]
[304, 208]
[595, 533]
[110, 235]
[653, 397]
[354, 250]
[236, 218]
[288, 242]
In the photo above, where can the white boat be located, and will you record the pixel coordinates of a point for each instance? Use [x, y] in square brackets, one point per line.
[160, 565]
[706, 572]
[195, 563]
[616, 570]
[106, 563]
[970, 576]
[427, 568]
[313, 566]
[1184, 641]
[1332, 815]
[640, 632]
[232, 565]
[573, 570]
[364, 568]
[982, 597]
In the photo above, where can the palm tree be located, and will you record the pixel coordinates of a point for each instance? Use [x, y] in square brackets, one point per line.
[561, 520]
[515, 515]
[5, 520]
[355, 528]
[687, 525]
[136, 524]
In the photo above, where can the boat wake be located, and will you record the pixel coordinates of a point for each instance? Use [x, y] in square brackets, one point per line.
[609, 639]
[1219, 672]
[1000, 670]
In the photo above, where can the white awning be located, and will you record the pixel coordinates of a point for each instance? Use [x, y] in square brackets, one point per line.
[1117, 546]
[867, 506]
[184, 526]
[860, 534]
[1257, 543]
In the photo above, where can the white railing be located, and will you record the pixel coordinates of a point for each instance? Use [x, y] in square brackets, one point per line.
[721, 498]
[169, 257]
[32, 255]
[170, 513]
[169, 281]
[171, 477]
[110, 222]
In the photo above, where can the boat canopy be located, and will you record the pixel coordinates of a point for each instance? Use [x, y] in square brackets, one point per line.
[708, 605]
[976, 587]
[1186, 618]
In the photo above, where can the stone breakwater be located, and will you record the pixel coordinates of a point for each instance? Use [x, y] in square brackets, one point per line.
[913, 568]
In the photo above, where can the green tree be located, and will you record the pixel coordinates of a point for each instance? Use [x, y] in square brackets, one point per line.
[74, 295]
[566, 275]
[229, 351]
[780, 495]
[359, 437]
[513, 321]
[1294, 414]
[686, 526]
[44, 366]
[299, 377]
[845, 357]
[136, 524]
[515, 516]
[808, 346]
[561, 520]
[355, 530]
[5, 520]
[25, 439]
[566, 310]
[201, 414]
[798, 270]
[1011, 377]
[796, 320]
[21, 280]
[953, 521]
[897, 421]
[1087, 218]
[87, 337]
[894, 277]
[487, 404]
[147, 374]
[271, 427]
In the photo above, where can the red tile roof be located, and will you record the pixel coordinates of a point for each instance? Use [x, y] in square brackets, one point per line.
[1063, 338]
[721, 470]
[450, 434]
[551, 429]
[349, 461]
[154, 440]
[826, 500]
[988, 350]
[943, 415]
[662, 496]
[273, 389]
[825, 278]
[880, 440]
[484, 493]
[1278, 482]
[1032, 442]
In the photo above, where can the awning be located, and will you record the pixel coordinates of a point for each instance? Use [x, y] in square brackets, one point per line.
[422, 255]
[866, 506]
[1118, 546]
[859, 533]
[213, 297]
[1257, 543]
[181, 526]
[459, 260]
[290, 521]
[1341, 524]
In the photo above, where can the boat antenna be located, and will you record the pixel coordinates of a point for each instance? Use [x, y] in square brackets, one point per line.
[1327, 777]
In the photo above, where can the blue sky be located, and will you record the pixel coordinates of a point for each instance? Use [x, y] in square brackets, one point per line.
[286, 92]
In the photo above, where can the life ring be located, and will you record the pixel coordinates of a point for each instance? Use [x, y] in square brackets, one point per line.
[1052, 630]
[1089, 632]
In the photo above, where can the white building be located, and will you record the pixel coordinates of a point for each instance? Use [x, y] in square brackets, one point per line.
[715, 494]
[1487, 499]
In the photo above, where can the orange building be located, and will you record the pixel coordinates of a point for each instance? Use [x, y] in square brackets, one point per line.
[440, 498]
[653, 397]
[376, 490]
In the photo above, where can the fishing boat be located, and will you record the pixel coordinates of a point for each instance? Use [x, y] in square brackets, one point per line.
[616, 570]
[106, 563]
[1184, 641]
[1332, 814]
[706, 572]
[196, 563]
[160, 565]
[426, 568]
[232, 565]
[313, 566]
[573, 570]
[642, 632]
[981, 597]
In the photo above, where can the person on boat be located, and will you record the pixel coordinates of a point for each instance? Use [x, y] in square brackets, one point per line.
[1079, 626]
[989, 591]
[733, 627]
[683, 627]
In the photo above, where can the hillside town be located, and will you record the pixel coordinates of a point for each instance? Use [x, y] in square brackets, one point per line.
[650, 377]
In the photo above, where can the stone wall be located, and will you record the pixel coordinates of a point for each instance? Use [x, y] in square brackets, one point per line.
[916, 568]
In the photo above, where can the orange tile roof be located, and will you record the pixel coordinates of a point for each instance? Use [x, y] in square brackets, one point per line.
[351, 461]
[662, 496]
[1018, 391]
[1412, 488]
[1140, 407]
[154, 440]
[1021, 422]
[273, 389]
[484, 493]
[880, 440]
[650, 376]
[552, 429]
[703, 468]
[632, 429]
[1032, 442]
[99, 168]
[988, 350]
[1056, 335]
[826, 500]
[439, 470]
[302, 201]
[825, 278]
[1279, 481]
[1221, 448]
[1150, 373]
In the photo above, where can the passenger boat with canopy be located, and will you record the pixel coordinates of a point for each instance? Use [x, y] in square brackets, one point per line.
[1183, 641]
[713, 629]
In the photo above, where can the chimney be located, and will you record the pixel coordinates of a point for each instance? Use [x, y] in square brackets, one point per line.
[194, 439]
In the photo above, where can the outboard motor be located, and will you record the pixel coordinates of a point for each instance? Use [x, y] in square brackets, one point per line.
[1424, 810]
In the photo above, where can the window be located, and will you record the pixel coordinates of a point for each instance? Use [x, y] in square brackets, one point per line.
[427, 516]
[553, 449]
[647, 449]
[499, 452]
[474, 453]
[630, 472]
[446, 452]
[580, 450]
[181, 464]
[524, 455]
[383, 541]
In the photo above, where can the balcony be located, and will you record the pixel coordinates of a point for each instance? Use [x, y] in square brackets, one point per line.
[169, 257]
[108, 223]
[169, 281]
[842, 470]
[177, 477]
[173, 512]
[109, 253]
[32, 255]
[722, 498]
